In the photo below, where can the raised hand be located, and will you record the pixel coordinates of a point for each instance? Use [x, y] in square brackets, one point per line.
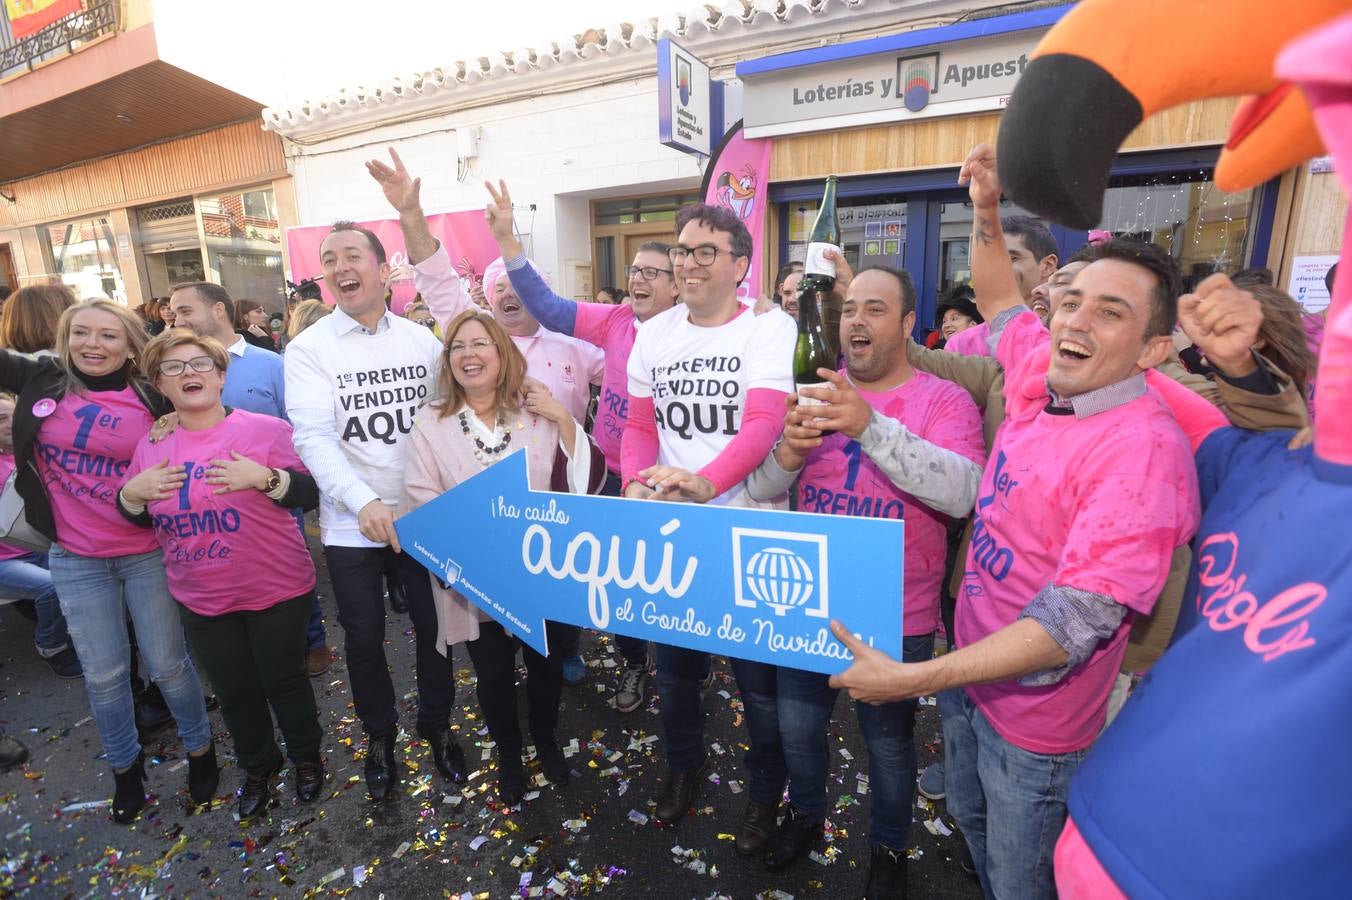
[1223, 321]
[498, 212]
[402, 191]
[979, 174]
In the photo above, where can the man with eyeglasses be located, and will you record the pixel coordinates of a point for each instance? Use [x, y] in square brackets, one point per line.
[707, 382]
[567, 367]
[652, 290]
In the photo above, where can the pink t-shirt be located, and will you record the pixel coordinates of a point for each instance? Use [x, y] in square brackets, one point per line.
[83, 449]
[1079, 874]
[840, 479]
[971, 342]
[233, 552]
[6, 467]
[565, 365]
[612, 328]
[1097, 504]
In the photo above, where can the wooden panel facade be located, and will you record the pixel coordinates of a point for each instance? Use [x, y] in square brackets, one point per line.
[223, 157]
[944, 143]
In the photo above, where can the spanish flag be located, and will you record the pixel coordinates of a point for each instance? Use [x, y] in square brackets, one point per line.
[31, 16]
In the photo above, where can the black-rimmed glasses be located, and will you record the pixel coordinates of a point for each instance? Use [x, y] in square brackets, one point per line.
[704, 254]
[172, 368]
[649, 273]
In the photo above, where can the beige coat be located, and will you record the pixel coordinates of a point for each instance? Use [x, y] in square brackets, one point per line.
[440, 456]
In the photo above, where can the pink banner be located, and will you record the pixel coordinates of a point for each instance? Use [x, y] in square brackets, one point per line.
[738, 177]
[463, 234]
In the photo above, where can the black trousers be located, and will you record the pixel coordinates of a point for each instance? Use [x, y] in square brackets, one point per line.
[494, 658]
[358, 575]
[256, 663]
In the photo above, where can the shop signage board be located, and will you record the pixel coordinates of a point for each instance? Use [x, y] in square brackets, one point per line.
[690, 103]
[748, 583]
[916, 83]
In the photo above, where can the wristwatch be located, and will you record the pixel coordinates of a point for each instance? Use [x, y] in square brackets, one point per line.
[274, 479]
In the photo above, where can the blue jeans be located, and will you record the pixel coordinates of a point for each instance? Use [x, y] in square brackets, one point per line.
[1009, 802]
[96, 595]
[26, 578]
[679, 673]
[805, 704]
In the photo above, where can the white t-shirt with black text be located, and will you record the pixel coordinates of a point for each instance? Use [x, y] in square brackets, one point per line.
[698, 378]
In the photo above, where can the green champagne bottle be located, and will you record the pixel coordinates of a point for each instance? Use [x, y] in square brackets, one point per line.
[812, 350]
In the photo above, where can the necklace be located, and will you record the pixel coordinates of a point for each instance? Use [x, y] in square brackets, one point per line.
[482, 452]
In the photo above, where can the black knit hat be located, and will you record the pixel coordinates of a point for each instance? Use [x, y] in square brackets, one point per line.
[959, 301]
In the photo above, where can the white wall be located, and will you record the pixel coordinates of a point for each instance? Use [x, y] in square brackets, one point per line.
[554, 151]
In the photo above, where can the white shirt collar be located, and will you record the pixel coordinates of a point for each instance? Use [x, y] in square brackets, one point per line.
[345, 324]
[237, 348]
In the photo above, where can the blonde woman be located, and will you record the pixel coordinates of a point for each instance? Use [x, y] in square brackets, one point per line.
[77, 421]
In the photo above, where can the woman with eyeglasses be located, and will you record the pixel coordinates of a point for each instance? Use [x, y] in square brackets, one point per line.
[77, 421]
[219, 491]
[487, 410]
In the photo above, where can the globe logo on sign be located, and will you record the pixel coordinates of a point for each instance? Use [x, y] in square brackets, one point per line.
[782, 570]
[779, 578]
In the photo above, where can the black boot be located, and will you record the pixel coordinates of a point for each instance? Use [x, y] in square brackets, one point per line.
[129, 792]
[447, 756]
[552, 761]
[381, 771]
[791, 841]
[511, 777]
[256, 795]
[886, 874]
[204, 776]
[309, 780]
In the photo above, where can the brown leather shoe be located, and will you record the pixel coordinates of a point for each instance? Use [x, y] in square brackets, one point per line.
[677, 794]
[317, 660]
[758, 822]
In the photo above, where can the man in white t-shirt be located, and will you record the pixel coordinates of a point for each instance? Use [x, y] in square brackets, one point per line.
[707, 382]
[354, 381]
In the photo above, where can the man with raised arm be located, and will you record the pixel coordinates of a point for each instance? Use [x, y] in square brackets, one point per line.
[1089, 488]
[567, 367]
[700, 447]
[612, 328]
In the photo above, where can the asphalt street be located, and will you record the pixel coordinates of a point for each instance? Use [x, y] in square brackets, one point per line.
[594, 836]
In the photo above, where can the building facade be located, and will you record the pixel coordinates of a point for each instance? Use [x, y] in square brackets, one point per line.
[123, 173]
[573, 128]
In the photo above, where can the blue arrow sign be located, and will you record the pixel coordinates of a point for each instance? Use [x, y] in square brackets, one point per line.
[747, 583]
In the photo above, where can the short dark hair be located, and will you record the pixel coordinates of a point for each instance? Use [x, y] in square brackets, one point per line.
[212, 293]
[784, 272]
[348, 225]
[1253, 277]
[1168, 280]
[1087, 253]
[904, 280]
[661, 247]
[719, 218]
[1036, 236]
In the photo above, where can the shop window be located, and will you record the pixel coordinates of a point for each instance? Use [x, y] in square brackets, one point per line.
[244, 245]
[637, 210]
[1204, 229]
[872, 233]
[84, 255]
